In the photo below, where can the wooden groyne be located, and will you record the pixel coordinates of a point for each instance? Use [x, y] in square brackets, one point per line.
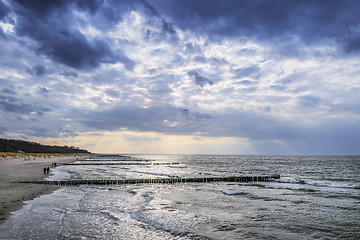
[115, 160]
[160, 180]
[124, 163]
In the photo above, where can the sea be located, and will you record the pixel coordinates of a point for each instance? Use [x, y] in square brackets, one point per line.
[316, 197]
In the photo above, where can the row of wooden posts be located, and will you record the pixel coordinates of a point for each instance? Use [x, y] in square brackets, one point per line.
[160, 180]
[115, 160]
[125, 163]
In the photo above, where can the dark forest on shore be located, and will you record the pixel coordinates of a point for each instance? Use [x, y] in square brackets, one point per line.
[10, 145]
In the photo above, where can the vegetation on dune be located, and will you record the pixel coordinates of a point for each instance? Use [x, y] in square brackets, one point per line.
[20, 146]
[12, 155]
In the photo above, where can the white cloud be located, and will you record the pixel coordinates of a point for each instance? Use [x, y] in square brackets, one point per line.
[150, 73]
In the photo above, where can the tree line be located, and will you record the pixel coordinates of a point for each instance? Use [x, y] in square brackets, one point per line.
[10, 145]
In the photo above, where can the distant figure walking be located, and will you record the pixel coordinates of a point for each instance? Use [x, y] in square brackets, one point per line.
[44, 170]
[47, 170]
[54, 164]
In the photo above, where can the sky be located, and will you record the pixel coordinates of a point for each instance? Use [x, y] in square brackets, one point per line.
[182, 76]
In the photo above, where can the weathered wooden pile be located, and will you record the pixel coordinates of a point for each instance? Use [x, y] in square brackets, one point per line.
[160, 180]
[126, 160]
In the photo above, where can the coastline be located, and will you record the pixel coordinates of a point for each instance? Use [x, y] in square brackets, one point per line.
[13, 171]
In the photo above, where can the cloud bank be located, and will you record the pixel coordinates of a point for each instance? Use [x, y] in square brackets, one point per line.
[274, 76]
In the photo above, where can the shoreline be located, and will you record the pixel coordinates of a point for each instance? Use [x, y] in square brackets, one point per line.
[13, 171]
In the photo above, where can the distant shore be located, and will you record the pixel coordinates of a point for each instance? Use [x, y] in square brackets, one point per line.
[18, 167]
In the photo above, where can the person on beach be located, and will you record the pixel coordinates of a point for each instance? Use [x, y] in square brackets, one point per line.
[44, 170]
[47, 170]
[54, 164]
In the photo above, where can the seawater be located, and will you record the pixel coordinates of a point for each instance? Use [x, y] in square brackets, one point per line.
[317, 197]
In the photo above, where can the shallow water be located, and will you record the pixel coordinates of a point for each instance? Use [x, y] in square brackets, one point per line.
[317, 197]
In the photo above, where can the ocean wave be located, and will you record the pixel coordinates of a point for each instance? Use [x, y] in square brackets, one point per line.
[317, 183]
[177, 166]
[109, 215]
[288, 187]
[287, 180]
[77, 204]
[233, 192]
[150, 173]
[149, 223]
[138, 216]
[332, 185]
[61, 220]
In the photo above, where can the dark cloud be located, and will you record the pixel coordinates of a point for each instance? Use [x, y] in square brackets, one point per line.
[43, 8]
[160, 89]
[111, 92]
[278, 87]
[254, 126]
[44, 91]
[3, 130]
[245, 82]
[200, 59]
[113, 11]
[4, 10]
[91, 6]
[8, 91]
[247, 52]
[217, 61]
[2, 34]
[352, 43]
[252, 71]
[192, 48]
[199, 78]
[49, 132]
[37, 70]
[22, 108]
[262, 97]
[145, 119]
[49, 23]
[295, 77]
[168, 27]
[172, 120]
[70, 74]
[267, 109]
[4, 82]
[308, 101]
[8, 98]
[332, 136]
[270, 20]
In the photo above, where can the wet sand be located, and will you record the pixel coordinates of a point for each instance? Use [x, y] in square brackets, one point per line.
[13, 193]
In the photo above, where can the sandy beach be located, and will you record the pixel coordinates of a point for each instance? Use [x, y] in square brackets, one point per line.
[13, 193]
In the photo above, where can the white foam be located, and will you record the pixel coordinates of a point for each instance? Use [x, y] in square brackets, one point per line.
[77, 204]
[288, 180]
[233, 192]
[332, 185]
[61, 222]
[150, 173]
[289, 187]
